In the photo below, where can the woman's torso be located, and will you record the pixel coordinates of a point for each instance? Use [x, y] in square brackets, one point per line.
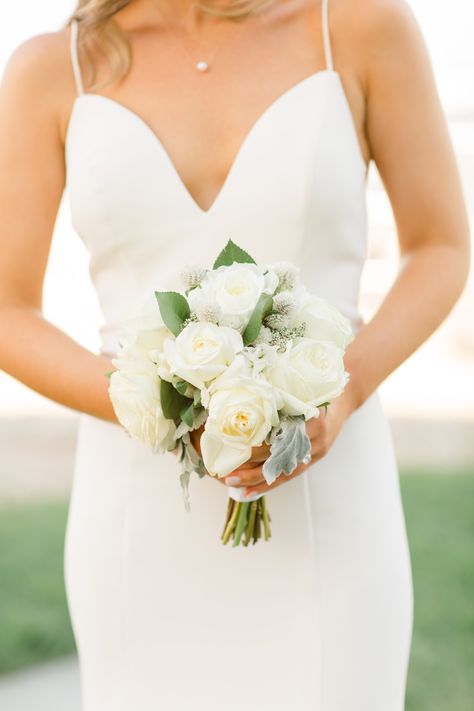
[295, 191]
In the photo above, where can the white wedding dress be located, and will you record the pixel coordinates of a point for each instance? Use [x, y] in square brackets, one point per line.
[167, 618]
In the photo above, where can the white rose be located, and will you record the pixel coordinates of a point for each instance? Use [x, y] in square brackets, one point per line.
[324, 322]
[234, 291]
[141, 353]
[308, 374]
[242, 411]
[201, 352]
[135, 397]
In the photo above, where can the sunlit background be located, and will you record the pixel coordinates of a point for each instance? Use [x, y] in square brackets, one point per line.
[430, 399]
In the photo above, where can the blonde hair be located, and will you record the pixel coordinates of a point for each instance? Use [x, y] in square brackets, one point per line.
[96, 24]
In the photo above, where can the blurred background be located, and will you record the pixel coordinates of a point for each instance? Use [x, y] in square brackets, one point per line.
[433, 428]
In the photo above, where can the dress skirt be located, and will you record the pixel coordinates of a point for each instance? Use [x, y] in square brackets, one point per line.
[167, 618]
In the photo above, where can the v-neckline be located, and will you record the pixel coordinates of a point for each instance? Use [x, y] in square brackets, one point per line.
[240, 152]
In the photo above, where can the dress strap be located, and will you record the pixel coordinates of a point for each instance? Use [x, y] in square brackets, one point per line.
[326, 36]
[75, 58]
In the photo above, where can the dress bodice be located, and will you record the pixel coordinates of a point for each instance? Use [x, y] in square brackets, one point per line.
[296, 192]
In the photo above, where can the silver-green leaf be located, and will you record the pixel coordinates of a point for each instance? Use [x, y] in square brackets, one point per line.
[290, 447]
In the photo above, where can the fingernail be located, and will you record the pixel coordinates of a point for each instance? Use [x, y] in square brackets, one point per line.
[232, 480]
[252, 495]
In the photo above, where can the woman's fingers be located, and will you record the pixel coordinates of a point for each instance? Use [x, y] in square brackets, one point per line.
[245, 477]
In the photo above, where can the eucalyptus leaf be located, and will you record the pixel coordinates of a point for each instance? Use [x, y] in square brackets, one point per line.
[172, 402]
[290, 447]
[232, 253]
[174, 309]
[262, 308]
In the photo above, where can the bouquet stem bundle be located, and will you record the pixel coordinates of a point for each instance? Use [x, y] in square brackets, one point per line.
[245, 518]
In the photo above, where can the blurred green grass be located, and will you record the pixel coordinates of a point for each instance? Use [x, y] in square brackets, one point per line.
[439, 509]
[34, 619]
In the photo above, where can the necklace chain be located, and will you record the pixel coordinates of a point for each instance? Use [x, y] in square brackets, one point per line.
[202, 65]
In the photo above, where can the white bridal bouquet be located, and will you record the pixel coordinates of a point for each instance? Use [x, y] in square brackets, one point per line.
[247, 354]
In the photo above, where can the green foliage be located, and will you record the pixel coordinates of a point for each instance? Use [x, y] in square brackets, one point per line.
[187, 414]
[174, 310]
[172, 402]
[261, 310]
[230, 254]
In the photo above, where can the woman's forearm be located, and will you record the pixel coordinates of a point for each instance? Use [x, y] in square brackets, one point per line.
[428, 285]
[45, 359]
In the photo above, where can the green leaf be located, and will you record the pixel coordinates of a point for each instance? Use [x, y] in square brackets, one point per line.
[181, 386]
[172, 402]
[197, 397]
[262, 309]
[174, 309]
[230, 254]
[187, 414]
[109, 374]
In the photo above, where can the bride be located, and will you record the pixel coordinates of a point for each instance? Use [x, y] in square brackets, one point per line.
[176, 125]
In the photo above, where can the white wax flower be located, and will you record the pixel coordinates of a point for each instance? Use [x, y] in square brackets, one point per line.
[308, 374]
[242, 410]
[234, 290]
[201, 352]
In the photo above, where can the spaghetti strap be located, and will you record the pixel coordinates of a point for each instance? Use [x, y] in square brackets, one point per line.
[326, 36]
[75, 58]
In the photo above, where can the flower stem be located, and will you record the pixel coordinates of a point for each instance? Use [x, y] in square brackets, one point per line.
[251, 522]
[230, 506]
[241, 523]
[266, 525]
[256, 530]
[231, 524]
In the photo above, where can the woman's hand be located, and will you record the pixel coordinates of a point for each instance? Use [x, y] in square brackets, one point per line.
[322, 432]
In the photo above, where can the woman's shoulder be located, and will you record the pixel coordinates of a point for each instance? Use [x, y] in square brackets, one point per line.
[40, 60]
[38, 78]
[376, 36]
[376, 22]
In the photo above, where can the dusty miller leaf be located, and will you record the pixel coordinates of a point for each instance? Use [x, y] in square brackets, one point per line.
[290, 447]
[190, 462]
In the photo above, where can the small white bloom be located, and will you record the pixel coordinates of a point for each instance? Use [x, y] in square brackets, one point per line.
[277, 321]
[287, 274]
[242, 411]
[201, 352]
[308, 374]
[284, 303]
[324, 322]
[192, 276]
[264, 336]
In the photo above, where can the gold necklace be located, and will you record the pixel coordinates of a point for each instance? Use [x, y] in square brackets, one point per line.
[202, 65]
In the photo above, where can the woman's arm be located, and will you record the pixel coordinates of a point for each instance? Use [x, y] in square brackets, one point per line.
[410, 144]
[32, 178]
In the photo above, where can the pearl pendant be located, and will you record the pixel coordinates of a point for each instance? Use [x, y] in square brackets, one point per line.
[202, 66]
